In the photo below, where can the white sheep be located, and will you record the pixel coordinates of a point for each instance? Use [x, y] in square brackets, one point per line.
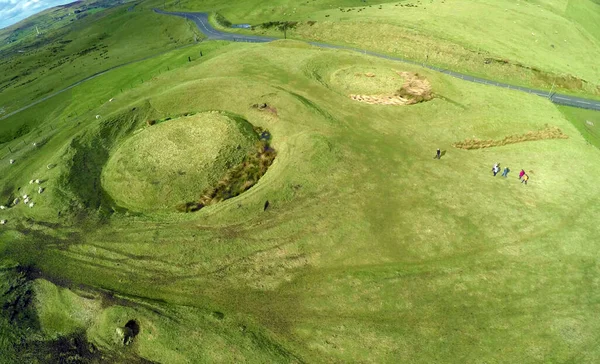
[41, 189]
[31, 205]
[110, 100]
[2, 222]
[25, 196]
[16, 201]
[12, 161]
[38, 181]
[31, 182]
[34, 144]
[26, 201]
[97, 117]
[2, 207]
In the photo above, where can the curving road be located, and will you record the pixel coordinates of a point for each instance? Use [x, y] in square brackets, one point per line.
[201, 20]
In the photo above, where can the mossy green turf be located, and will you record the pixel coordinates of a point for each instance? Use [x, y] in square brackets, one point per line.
[370, 250]
[176, 161]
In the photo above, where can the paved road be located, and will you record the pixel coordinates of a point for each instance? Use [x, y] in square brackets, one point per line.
[201, 20]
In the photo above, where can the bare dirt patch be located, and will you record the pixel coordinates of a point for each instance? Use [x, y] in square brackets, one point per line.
[415, 89]
[265, 107]
[549, 132]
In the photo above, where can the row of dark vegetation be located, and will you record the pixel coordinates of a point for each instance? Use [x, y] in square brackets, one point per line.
[279, 25]
[549, 132]
[221, 20]
[239, 178]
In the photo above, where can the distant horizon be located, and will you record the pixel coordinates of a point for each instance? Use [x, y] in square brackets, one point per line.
[13, 11]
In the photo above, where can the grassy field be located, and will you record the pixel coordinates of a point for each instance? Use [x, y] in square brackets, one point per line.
[370, 249]
[534, 43]
[586, 121]
[356, 245]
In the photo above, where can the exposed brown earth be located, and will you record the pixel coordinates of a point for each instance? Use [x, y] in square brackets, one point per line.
[414, 90]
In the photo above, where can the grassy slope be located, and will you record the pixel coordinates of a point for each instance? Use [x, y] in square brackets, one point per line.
[51, 19]
[457, 34]
[586, 121]
[371, 250]
[108, 39]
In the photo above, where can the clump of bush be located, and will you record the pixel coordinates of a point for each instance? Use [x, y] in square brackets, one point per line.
[221, 20]
[240, 178]
[279, 25]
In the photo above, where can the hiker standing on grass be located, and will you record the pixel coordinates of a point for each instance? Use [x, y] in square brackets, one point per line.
[525, 178]
[505, 172]
[496, 169]
[522, 173]
[438, 154]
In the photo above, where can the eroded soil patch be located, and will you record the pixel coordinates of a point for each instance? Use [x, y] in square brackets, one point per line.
[415, 89]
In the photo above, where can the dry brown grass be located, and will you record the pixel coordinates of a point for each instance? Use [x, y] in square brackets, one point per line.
[549, 132]
[414, 90]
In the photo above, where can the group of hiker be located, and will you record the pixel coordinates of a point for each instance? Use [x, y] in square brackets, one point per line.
[523, 177]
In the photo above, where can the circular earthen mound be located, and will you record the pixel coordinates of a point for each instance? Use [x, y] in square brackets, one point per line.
[175, 161]
[381, 86]
[364, 80]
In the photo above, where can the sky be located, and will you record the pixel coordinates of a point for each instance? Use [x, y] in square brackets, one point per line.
[13, 11]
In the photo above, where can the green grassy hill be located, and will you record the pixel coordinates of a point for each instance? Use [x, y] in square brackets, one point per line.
[538, 43]
[93, 44]
[51, 19]
[356, 245]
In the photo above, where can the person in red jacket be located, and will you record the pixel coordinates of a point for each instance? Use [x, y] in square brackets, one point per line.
[521, 174]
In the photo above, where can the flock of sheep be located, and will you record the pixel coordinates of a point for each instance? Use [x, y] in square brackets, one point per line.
[27, 200]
